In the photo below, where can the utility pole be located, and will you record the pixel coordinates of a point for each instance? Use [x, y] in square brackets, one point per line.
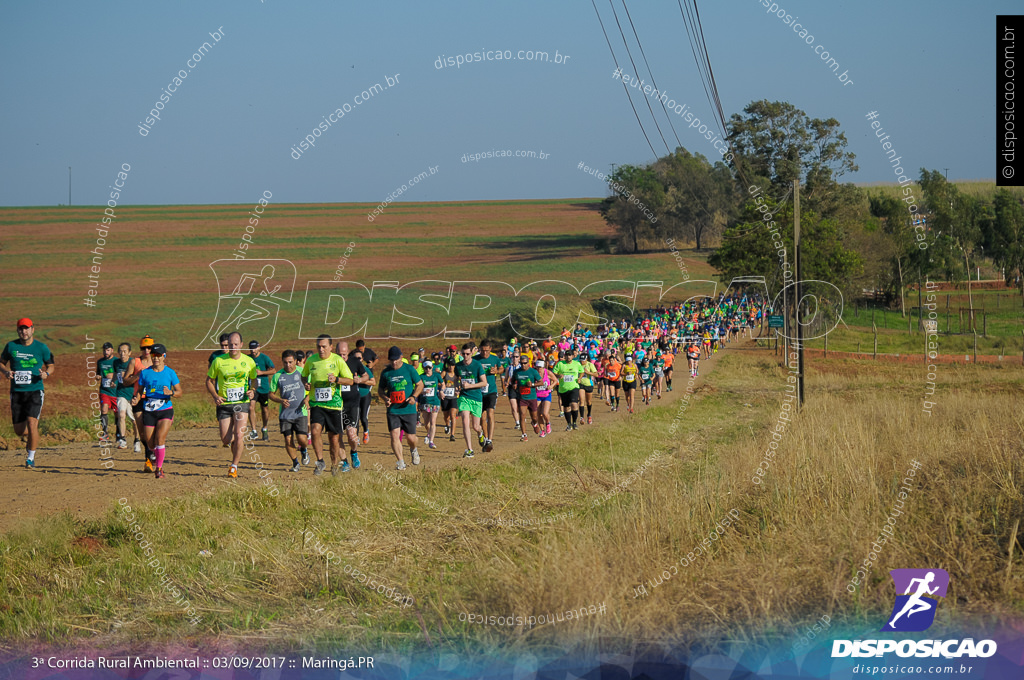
[69, 186]
[799, 293]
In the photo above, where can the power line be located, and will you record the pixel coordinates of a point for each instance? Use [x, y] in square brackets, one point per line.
[651, 73]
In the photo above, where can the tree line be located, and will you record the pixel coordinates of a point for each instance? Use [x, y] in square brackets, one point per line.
[855, 238]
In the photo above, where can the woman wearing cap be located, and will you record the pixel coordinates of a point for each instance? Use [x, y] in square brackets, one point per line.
[155, 389]
[449, 401]
[430, 403]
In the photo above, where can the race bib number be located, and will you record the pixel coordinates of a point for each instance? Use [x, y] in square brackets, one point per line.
[428, 391]
[466, 384]
[120, 377]
[322, 394]
[524, 390]
[155, 404]
[449, 392]
[483, 390]
[106, 382]
[234, 393]
[397, 398]
[22, 377]
[346, 388]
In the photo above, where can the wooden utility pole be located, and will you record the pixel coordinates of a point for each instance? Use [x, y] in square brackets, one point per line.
[799, 294]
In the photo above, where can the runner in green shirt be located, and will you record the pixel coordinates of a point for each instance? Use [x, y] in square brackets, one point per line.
[123, 394]
[568, 371]
[231, 381]
[26, 363]
[492, 364]
[400, 387]
[323, 375]
[472, 378]
[430, 400]
[264, 369]
[525, 381]
[108, 388]
[646, 377]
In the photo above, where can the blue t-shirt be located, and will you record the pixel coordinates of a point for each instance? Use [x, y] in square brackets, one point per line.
[152, 385]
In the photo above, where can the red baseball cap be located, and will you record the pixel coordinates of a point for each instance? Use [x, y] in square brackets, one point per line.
[25, 322]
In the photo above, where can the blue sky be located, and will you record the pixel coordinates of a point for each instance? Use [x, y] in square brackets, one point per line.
[80, 77]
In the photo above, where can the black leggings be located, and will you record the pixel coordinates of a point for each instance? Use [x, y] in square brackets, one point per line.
[364, 412]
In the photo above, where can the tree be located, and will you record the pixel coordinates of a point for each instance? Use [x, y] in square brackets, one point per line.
[777, 142]
[699, 198]
[634, 186]
[1007, 238]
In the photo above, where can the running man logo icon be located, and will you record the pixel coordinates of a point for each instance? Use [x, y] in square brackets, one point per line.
[257, 289]
[914, 610]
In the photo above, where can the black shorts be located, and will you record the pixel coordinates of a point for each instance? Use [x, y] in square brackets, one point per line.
[262, 398]
[617, 384]
[225, 411]
[490, 400]
[629, 386]
[350, 413]
[151, 418]
[25, 405]
[403, 421]
[512, 394]
[570, 397]
[448, 404]
[328, 418]
[297, 426]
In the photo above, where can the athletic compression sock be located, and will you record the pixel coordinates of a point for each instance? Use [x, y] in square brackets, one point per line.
[160, 451]
[590, 408]
[104, 422]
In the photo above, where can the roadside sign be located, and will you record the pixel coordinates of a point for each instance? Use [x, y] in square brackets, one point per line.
[776, 321]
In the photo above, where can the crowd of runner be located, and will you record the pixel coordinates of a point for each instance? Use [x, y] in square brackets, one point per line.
[328, 389]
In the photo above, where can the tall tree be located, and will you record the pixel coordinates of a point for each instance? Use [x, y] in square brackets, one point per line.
[634, 186]
[699, 198]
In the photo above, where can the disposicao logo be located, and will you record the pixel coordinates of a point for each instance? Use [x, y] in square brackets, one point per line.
[917, 598]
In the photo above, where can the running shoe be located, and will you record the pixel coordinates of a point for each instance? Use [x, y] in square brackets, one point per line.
[488, 446]
[517, 427]
[159, 473]
[366, 437]
[430, 443]
[452, 437]
[568, 427]
[480, 440]
[536, 428]
[355, 460]
[319, 468]
[590, 420]
[305, 457]
[415, 457]
[630, 410]
[549, 428]
[447, 428]
[122, 444]
[543, 434]
[468, 453]
[334, 470]
[266, 435]
[30, 464]
[574, 427]
[149, 466]
[232, 471]
[401, 465]
[254, 435]
[523, 438]
[345, 467]
[294, 467]
[138, 446]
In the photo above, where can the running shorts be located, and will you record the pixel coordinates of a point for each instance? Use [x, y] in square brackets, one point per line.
[490, 400]
[25, 405]
[587, 388]
[530, 404]
[296, 426]
[151, 418]
[225, 411]
[328, 418]
[546, 397]
[406, 422]
[110, 400]
[125, 406]
[447, 404]
[350, 413]
[570, 397]
[629, 386]
[471, 405]
[262, 398]
[430, 408]
[617, 384]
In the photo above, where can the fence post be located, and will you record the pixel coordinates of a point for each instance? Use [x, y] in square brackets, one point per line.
[826, 345]
[874, 354]
[909, 317]
[984, 324]
[975, 346]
